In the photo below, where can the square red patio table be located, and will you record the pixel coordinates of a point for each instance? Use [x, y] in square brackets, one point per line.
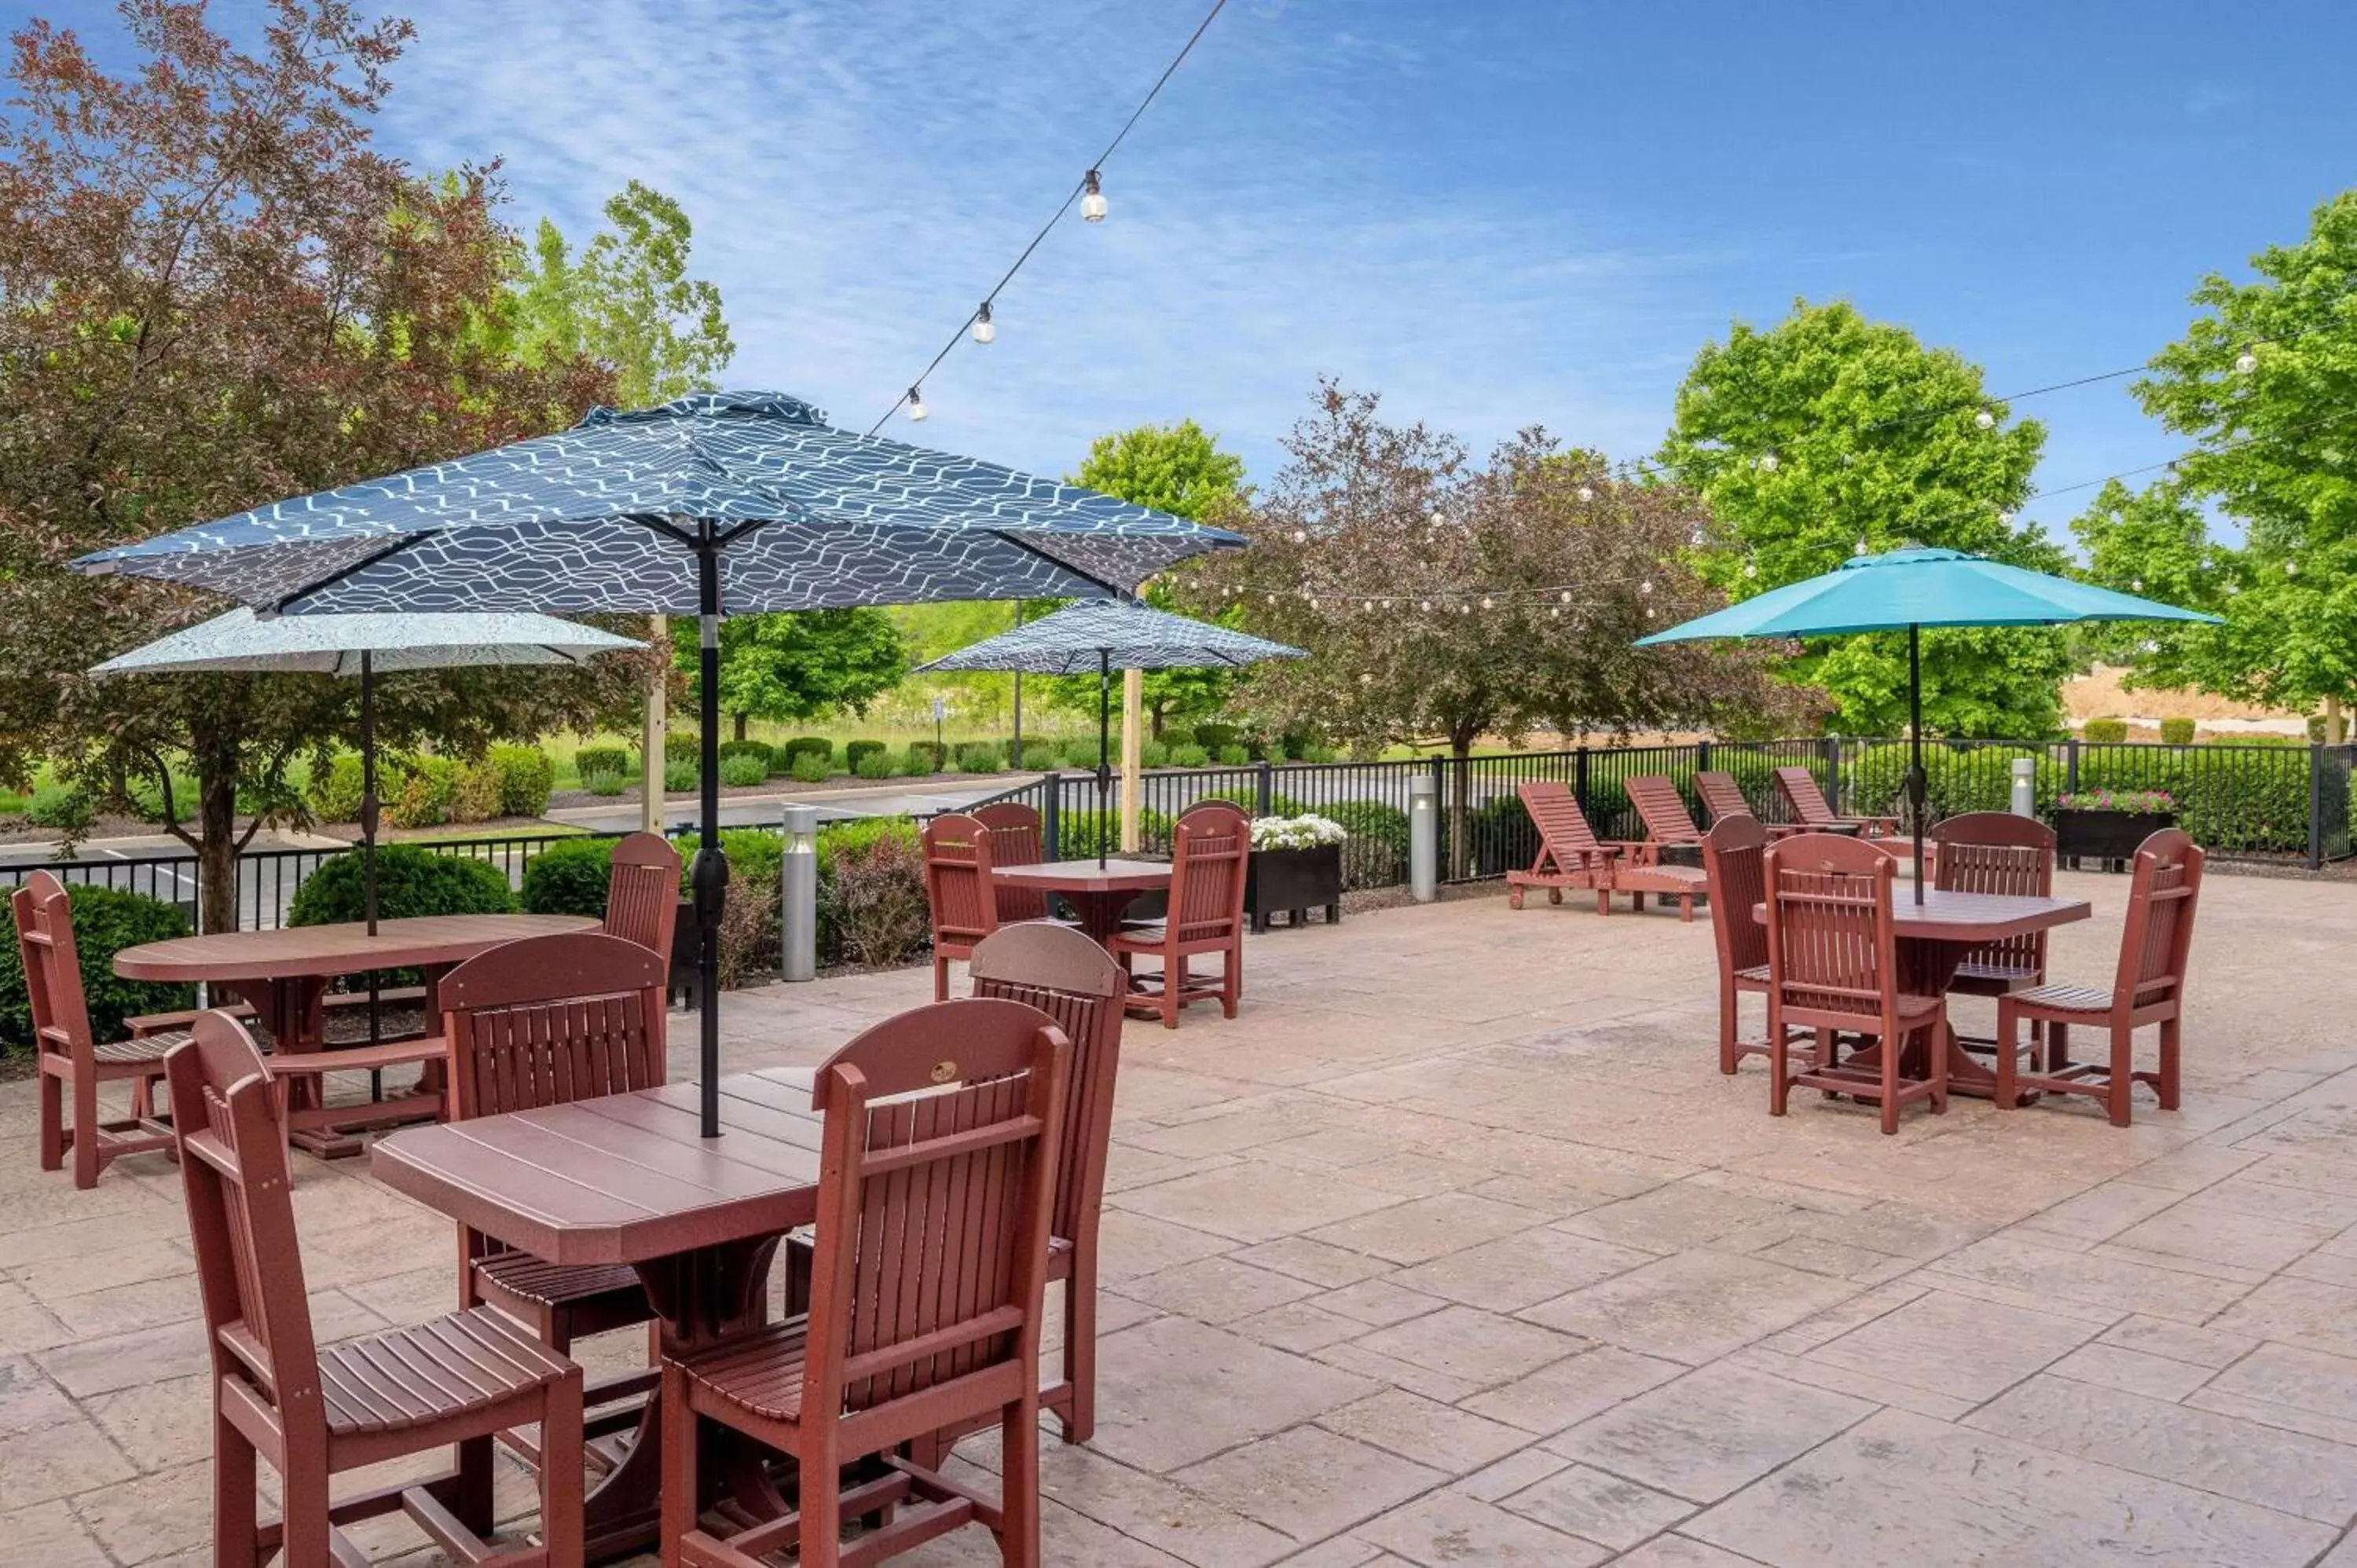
[1099, 893]
[1935, 935]
[628, 1179]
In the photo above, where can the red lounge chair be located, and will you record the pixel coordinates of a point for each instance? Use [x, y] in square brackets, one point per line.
[1664, 812]
[1571, 857]
[1808, 802]
[1723, 798]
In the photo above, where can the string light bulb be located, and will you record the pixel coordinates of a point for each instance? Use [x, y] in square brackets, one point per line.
[1752, 568]
[2136, 585]
[1859, 548]
[1586, 494]
[916, 405]
[1767, 462]
[1985, 420]
[1554, 612]
[2172, 473]
[1646, 587]
[1425, 604]
[1093, 201]
[1300, 535]
[2246, 361]
[2005, 517]
[1565, 596]
[2291, 568]
[984, 329]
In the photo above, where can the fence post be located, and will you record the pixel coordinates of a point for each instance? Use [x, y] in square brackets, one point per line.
[2071, 763]
[1439, 805]
[1262, 794]
[1051, 816]
[1829, 753]
[1579, 778]
[2315, 807]
[1701, 757]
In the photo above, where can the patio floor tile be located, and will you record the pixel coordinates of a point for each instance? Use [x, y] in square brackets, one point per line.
[1709, 1433]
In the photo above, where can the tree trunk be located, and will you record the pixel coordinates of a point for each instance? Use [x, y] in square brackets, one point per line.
[216, 848]
[2336, 722]
[1460, 822]
[740, 726]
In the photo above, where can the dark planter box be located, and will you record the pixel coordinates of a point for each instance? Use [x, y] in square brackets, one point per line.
[2105, 835]
[1294, 881]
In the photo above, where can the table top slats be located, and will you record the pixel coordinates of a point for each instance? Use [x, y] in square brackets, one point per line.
[1946, 916]
[1088, 876]
[779, 1153]
[305, 951]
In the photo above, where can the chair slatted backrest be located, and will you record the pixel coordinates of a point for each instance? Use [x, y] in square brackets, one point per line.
[1722, 796]
[1077, 984]
[1832, 949]
[1016, 839]
[1997, 852]
[1732, 856]
[1208, 850]
[1805, 796]
[1662, 808]
[1554, 811]
[2158, 933]
[53, 993]
[643, 893]
[957, 851]
[935, 1186]
[229, 1130]
[549, 1020]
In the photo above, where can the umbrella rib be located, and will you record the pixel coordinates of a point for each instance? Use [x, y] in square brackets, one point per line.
[399, 541]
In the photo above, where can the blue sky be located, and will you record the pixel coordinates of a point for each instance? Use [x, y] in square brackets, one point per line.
[1496, 211]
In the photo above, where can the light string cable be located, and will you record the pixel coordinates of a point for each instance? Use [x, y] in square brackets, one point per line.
[1087, 191]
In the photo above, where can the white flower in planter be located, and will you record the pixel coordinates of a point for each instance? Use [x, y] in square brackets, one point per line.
[1306, 832]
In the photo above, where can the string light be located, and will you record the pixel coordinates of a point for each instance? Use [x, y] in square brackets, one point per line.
[1646, 587]
[1566, 596]
[984, 329]
[1985, 420]
[1300, 535]
[1767, 462]
[1554, 612]
[2291, 568]
[2246, 361]
[916, 405]
[1859, 548]
[1425, 604]
[1586, 494]
[1752, 568]
[2136, 585]
[1093, 201]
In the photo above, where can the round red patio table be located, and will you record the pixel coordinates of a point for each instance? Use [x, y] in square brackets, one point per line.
[1099, 893]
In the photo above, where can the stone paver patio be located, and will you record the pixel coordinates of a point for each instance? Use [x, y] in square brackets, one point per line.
[1457, 1248]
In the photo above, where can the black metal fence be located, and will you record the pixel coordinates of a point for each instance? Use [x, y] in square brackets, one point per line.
[2282, 804]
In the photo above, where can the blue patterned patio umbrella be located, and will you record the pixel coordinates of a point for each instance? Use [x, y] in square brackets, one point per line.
[1907, 590]
[1110, 634]
[719, 503]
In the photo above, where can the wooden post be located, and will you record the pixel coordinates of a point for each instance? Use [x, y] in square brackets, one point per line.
[1133, 714]
[656, 725]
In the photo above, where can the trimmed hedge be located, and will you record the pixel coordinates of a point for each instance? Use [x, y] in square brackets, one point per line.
[527, 778]
[605, 759]
[922, 757]
[801, 744]
[569, 878]
[876, 764]
[740, 770]
[105, 921]
[409, 882]
[857, 751]
[2177, 732]
[980, 756]
[2105, 731]
[731, 749]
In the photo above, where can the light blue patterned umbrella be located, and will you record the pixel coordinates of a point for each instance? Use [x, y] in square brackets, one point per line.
[1111, 634]
[720, 504]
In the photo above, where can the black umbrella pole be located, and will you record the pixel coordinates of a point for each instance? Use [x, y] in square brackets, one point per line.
[710, 876]
[1915, 781]
[368, 792]
[1104, 742]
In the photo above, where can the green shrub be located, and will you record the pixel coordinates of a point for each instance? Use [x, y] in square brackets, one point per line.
[418, 790]
[681, 743]
[1216, 737]
[1233, 755]
[607, 783]
[527, 778]
[855, 839]
[811, 767]
[1083, 754]
[568, 877]
[410, 882]
[1078, 831]
[857, 751]
[804, 744]
[61, 805]
[872, 904]
[1956, 779]
[681, 773]
[105, 921]
[1188, 756]
[1154, 754]
[475, 791]
[743, 770]
[603, 759]
[1375, 855]
[753, 855]
[876, 764]
[1318, 753]
[980, 756]
[2177, 732]
[760, 751]
[922, 757]
[1177, 735]
[2228, 797]
[2104, 731]
[334, 793]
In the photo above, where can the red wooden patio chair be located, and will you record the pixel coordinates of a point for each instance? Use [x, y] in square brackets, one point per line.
[642, 894]
[1206, 915]
[1723, 798]
[1996, 852]
[1732, 853]
[1581, 861]
[1668, 822]
[958, 890]
[1833, 965]
[929, 1268]
[1807, 799]
[314, 1413]
[1014, 840]
[546, 1021]
[2149, 987]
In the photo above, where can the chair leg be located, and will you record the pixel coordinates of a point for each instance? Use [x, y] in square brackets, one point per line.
[1940, 1073]
[235, 1541]
[941, 978]
[1778, 1078]
[560, 1474]
[85, 1130]
[679, 1482]
[1893, 1049]
[1018, 1536]
[306, 1531]
[1232, 976]
[1727, 1025]
[2122, 1082]
[53, 1121]
[819, 1502]
[2007, 1091]
[2170, 1037]
[1080, 1416]
[472, 1502]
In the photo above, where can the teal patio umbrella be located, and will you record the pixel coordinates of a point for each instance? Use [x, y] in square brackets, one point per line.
[1908, 590]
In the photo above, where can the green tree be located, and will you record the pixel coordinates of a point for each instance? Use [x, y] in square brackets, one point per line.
[627, 299]
[1178, 468]
[2265, 383]
[214, 293]
[2155, 543]
[1829, 432]
[805, 664]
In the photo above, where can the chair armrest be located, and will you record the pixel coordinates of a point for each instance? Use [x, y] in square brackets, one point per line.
[1641, 852]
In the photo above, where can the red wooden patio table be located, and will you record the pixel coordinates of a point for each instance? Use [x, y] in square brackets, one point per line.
[281, 973]
[629, 1179]
[1935, 935]
[1100, 893]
